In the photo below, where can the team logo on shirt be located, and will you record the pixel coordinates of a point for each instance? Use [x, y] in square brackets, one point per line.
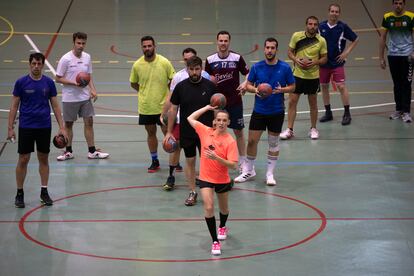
[224, 77]
[29, 91]
[232, 64]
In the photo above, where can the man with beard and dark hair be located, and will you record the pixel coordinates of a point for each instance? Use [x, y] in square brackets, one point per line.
[307, 50]
[190, 95]
[268, 112]
[150, 77]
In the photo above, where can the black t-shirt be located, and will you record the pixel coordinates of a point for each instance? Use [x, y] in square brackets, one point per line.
[190, 97]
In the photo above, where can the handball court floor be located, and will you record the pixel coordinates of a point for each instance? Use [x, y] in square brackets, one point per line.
[343, 204]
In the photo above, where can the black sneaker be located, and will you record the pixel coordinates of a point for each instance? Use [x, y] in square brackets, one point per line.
[178, 168]
[19, 201]
[327, 117]
[169, 185]
[155, 166]
[346, 119]
[191, 199]
[45, 199]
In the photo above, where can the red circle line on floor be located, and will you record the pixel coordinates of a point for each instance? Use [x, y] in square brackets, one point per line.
[318, 231]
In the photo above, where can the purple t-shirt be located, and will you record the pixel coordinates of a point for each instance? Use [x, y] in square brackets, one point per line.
[226, 72]
[34, 101]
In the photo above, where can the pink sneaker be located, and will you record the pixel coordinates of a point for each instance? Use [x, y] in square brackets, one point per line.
[216, 248]
[222, 233]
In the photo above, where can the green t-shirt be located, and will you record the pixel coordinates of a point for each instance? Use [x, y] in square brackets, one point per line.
[307, 47]
[400, 29]
[153, 78]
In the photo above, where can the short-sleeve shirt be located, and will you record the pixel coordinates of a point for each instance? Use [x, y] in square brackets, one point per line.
[182, 75]
[400, 28]
[34, 101]
[224, 146]
[336, 37]
[279, 73]
[179, 77]
[153, 78]
[307, 47]
[190, 97]
[227, 71]
[69, 67]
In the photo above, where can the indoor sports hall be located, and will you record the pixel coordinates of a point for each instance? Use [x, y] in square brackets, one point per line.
[343, 204]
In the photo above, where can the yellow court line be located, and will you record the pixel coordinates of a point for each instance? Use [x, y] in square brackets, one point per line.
[11, 32]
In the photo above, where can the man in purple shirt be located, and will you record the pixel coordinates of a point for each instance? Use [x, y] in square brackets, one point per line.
[32, 95]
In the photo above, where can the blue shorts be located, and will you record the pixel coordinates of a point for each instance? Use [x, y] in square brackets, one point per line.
[236, 116]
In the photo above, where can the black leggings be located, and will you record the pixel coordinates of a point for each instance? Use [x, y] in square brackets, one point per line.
[402, 75]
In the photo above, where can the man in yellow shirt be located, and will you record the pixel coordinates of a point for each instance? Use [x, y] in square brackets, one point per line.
[150, 77]
[307, 50]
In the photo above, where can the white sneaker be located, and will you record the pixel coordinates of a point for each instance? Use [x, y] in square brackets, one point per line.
[287, 134]
[98, 155]
[242, 164]
[65, 156]
[395, 115]
[245, 176]
[270, 180]
[406, 117]
[313, 133]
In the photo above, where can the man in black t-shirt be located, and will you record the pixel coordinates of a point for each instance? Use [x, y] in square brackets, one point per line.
[190, 95]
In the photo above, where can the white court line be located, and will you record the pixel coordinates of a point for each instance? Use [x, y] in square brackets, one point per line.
[37, 50]
[244, 115]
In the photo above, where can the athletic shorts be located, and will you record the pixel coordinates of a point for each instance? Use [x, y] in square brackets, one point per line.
[176, 131]
[306, 86]
[337, 74]
[29, 136]
[219, 188]
[272, 122]
[190, 146]
[71, 110]
[149, 119]
[236, 116]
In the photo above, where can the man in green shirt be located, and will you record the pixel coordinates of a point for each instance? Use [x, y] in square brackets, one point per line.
[399, 24]
[150, 77]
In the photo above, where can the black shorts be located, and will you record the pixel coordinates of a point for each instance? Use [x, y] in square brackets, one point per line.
[236, 116]
[272, 122]
[306, 86]
[149, 119]
[218, 188]
[190, 146]
[29, 136]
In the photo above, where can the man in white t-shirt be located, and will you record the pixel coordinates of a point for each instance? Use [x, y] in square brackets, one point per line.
[175, 156]
[76, 97]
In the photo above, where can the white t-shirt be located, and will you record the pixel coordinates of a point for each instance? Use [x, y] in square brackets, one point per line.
[179, 77]
[69, 67]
